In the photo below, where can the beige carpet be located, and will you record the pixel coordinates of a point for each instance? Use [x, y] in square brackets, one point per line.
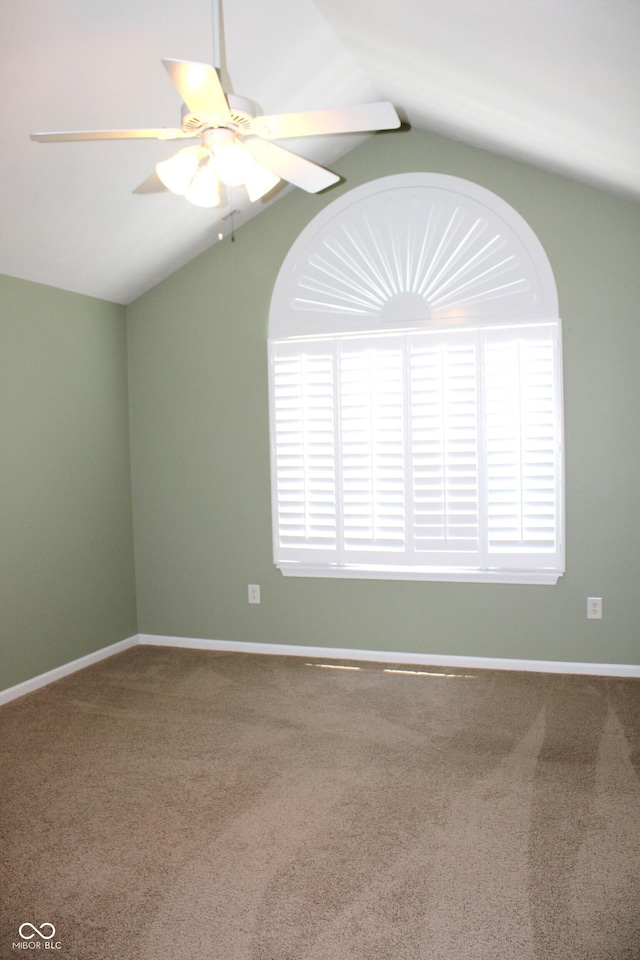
[187, 804]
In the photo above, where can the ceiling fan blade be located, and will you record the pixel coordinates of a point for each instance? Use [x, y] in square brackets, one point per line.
[153, 184]
[199, 86]
[161, 133]
[289, 166]
[365, 116]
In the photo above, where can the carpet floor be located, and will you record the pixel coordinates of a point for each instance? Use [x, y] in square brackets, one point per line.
[180, 803]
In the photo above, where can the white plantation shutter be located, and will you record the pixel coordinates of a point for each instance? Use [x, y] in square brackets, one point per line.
[304, 463]
[444, 446]
[522, 445]
[416, 390]
[425, 453]
[372, 449]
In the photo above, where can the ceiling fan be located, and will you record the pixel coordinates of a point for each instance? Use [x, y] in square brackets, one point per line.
[235, 146]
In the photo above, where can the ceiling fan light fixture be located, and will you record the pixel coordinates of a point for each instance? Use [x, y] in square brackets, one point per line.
[235, 166]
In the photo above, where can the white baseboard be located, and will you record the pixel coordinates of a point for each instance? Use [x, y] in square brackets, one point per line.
[392, 656]
[326, 653]
[12, 693]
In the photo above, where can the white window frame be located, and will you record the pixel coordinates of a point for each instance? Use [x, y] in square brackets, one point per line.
[339, 308]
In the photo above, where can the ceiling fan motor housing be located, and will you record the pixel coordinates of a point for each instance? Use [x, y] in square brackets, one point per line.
[242, 110]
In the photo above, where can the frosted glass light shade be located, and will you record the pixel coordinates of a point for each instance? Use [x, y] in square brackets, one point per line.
[259, 181]
[232, 163]
[235, 166]
[178, 171]
[203, 190]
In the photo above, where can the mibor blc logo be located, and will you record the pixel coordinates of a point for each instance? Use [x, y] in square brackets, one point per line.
[36, 938]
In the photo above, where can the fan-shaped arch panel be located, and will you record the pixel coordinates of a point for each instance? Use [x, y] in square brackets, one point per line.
[412, 250]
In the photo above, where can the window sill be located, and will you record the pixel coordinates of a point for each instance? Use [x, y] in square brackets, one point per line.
[546, 577]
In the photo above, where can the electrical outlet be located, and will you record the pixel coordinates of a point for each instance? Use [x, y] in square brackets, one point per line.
[594, 608]
[254, 593]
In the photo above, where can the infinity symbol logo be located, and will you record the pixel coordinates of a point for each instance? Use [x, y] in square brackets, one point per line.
[39, 931]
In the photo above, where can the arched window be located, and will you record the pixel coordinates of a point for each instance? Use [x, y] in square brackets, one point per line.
[416, 390]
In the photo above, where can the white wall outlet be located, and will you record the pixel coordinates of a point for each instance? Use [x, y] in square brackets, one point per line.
[594, 608]
[254, 593]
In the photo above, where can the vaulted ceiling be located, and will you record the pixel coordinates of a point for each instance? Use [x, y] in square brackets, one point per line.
[553, 82]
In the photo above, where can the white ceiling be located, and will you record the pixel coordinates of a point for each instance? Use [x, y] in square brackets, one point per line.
[552, 82]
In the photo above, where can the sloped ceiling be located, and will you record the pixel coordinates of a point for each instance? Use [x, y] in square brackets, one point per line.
[552, 82]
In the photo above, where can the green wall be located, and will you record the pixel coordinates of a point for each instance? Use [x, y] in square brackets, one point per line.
[200, 450]
[66, 548]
